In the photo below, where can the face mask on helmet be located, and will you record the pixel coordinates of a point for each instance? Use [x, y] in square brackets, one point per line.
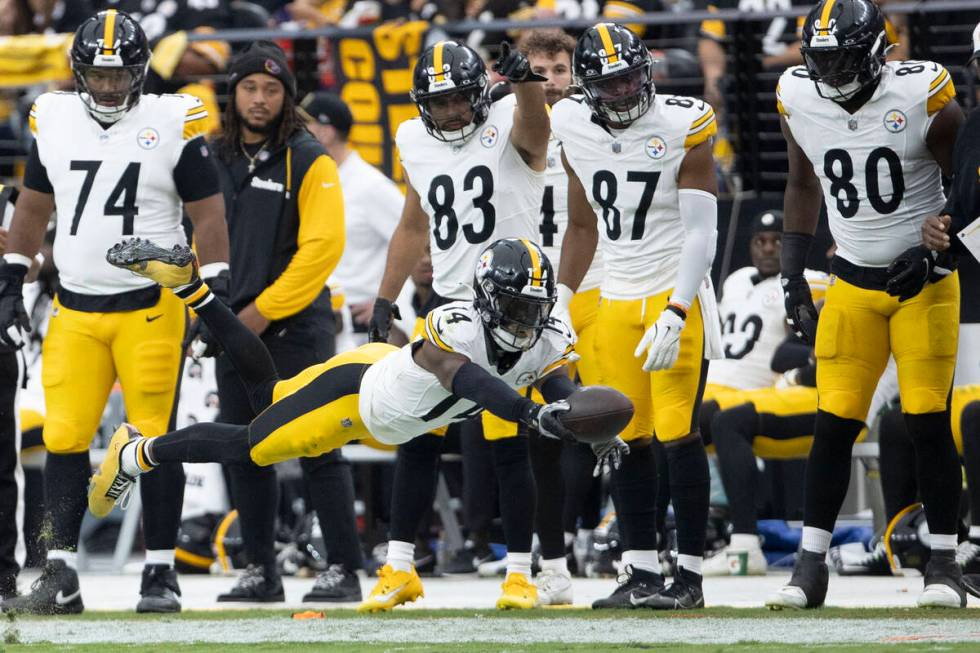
[840, 73]
[515, 321]
[109, 92]
[622, 98]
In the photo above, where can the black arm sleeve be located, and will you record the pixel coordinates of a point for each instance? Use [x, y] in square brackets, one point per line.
[476, 384]
[36, 175]
[790, 354]
[557, 386]
[196, 175]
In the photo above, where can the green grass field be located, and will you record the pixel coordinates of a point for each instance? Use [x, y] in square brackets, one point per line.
[714, 630]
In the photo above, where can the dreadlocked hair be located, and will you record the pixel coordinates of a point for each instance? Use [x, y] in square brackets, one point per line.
[228, 143]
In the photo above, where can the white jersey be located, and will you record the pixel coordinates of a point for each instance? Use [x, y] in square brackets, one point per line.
[879, 178]
[554, 217]
[399, 400]
[753, 326]
[474, 194]
[113, 183]
[630, 178]
[372, 208]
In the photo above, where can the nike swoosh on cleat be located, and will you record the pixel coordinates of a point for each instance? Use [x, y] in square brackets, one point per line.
[151, 318]
[61, 599]
[387, 596]
[634, 601]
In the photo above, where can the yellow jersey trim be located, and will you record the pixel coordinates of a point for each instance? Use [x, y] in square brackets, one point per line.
[433, 334]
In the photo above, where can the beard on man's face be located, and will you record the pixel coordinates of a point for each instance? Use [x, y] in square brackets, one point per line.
[263, 127]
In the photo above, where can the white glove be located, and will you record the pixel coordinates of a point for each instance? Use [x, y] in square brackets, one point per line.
[662, 342]
[609, 455]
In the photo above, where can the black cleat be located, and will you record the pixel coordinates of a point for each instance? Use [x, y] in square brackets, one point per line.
[55, 591]
[808, 586]
[159, 590]
[335, 585]
[943, 582]
[255, 585]
[170, 268]
[634, 586]
[468, 559]
[682, 594]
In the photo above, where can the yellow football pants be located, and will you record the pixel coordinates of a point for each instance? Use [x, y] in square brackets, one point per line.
[83, 355]
[857, 330]
[665, 402]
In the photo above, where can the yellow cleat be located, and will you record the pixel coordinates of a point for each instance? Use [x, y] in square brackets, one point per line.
[110, 485]
[393, 588]
[518, 593]
[170, 268]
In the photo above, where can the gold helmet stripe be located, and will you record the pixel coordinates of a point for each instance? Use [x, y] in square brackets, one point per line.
[607, 43]
[535, 262]
[825, 15]
[437, 61]
[108, 37]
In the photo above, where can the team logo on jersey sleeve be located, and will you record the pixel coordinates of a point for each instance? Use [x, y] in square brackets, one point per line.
[895, 121]
[489, 136]
[656, 147]
[148, 138]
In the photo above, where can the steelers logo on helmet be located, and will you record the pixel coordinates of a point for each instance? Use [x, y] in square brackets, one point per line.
[450, 88]
[514, 290]
[110, 56]
[614, 69]
[895, 121]
[844, 46]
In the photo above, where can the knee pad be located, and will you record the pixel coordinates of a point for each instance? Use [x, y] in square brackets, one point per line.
[62, 437]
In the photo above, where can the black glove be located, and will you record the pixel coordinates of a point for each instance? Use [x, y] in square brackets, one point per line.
[202, 343]
[546, 419]
[380, 325]
[801, 314]
[513, 65]
[14, 322]
[909, 272]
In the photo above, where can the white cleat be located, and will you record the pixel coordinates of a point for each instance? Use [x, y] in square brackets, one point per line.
[787, 596]
[939, 595]
[554, 587]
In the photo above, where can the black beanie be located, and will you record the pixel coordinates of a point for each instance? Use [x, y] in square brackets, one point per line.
[262, 57]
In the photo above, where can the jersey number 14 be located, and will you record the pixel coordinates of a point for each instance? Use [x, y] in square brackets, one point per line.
[121, 201]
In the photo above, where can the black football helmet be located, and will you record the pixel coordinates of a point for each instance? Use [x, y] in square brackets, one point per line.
[445, 69]
[614, 70]
[515, 292]
[109, 58]
[844, 46]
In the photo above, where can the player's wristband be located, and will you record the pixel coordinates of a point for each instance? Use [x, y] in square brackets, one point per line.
[795, 247]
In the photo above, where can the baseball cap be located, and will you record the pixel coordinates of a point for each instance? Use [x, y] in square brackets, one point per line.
[328, 109]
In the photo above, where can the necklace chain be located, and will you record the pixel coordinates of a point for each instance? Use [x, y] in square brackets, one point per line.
[251, 158]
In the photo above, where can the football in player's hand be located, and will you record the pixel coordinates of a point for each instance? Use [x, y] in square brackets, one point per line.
[597, 413]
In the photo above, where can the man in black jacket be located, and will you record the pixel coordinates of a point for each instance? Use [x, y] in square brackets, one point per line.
[286, 227]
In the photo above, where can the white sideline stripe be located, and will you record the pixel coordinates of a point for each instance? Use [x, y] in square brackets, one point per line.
[451, 630]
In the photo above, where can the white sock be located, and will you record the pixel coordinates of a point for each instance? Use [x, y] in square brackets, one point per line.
[558, 565]
[519, 563]
[401, 555]
[70, 557]
[641, 559]
[744, 542]
[816, 540]
[942, 542]
[583, 533]
[691, 563]
[129, 458]
[160, 557]
[975, 531]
